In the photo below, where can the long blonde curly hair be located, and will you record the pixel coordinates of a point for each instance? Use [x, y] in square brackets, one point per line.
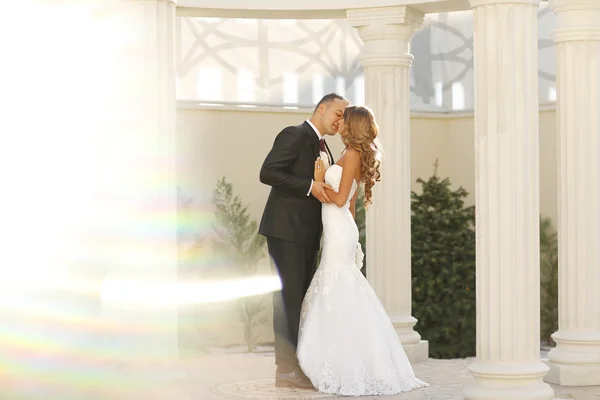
[361, 135]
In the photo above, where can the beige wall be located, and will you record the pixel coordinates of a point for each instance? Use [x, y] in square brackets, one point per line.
[218, 141]
[213, 142]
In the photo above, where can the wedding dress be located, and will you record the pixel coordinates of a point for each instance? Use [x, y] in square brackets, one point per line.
[347, 344]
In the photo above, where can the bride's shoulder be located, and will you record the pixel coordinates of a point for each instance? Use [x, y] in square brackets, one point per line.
[352, 155]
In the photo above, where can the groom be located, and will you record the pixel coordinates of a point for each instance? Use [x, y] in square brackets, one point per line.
[292, 224]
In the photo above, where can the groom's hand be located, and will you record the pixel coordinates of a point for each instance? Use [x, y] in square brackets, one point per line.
[318, 190]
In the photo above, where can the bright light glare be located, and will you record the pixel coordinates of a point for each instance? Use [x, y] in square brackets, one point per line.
[59, 93]
[160, 293]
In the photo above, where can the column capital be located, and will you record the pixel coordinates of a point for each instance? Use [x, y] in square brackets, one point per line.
[382, 16]
[479, 3]
[386, 33]
[576, 20]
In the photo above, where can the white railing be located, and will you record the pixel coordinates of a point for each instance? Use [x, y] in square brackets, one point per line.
[305, 108]
[235, 105]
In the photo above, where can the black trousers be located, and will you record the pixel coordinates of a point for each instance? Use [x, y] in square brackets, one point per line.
[296, 264]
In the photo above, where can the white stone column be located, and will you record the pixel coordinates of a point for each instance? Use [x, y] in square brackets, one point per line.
[508, 364]
[386, 33]
[99, 182]
[140, 293]
[576, 358]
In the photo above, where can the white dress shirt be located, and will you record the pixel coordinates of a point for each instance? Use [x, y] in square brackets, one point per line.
[324, 155]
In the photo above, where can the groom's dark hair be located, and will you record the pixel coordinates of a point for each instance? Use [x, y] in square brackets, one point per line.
[328, 98]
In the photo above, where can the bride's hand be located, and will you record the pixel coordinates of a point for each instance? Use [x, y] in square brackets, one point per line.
[319, 170]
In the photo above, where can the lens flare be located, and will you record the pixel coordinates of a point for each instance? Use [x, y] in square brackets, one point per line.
[158, 294]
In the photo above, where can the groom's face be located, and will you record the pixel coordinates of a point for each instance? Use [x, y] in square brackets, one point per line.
[331, 115]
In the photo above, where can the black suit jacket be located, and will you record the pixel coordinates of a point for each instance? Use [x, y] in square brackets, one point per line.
[291, 213]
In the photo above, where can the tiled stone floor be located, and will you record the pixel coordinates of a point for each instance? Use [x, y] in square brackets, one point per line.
[244, 376]
[228, 376]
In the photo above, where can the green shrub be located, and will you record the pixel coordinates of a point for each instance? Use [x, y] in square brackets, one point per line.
[443, 268]
[549, 281]
[443, 271]
[361, 220]
[242, 247]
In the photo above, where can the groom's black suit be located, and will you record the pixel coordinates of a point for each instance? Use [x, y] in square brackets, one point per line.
[292, 224]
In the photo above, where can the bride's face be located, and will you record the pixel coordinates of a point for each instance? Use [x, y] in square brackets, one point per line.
[342, 127]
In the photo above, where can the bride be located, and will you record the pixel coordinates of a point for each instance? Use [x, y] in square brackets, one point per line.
[347, 344]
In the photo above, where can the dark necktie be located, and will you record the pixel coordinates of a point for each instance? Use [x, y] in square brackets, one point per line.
[323, 149]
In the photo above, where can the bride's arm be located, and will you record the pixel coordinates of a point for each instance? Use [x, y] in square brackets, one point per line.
[353, 205]
[349, 171]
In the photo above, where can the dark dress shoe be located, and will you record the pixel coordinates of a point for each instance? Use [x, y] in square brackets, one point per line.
[293, 379]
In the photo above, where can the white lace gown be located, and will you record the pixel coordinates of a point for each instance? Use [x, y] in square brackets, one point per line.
[347, 344]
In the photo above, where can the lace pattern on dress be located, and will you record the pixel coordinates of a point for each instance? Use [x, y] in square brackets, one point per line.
[362, 383]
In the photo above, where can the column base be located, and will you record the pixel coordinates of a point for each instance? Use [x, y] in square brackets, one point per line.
[575, 361]
[415, 348]
[573, 375]
[417, 351]
[501, 381]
